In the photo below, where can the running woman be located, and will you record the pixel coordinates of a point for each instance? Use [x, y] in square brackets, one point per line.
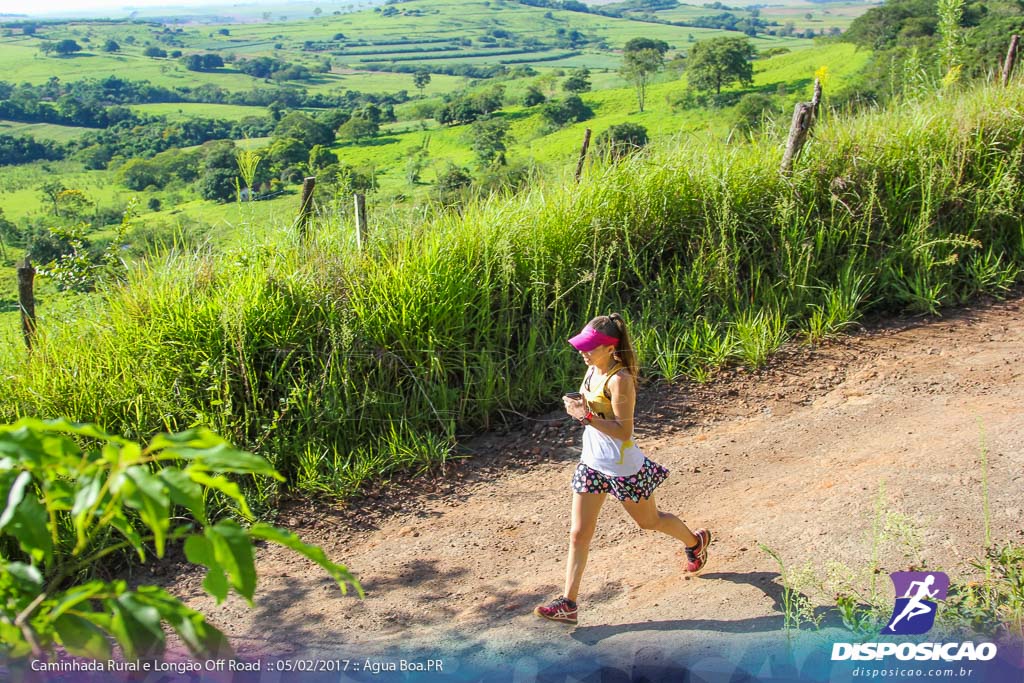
[611, 461]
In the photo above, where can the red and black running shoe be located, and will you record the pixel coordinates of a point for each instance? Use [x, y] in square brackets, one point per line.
[697, 556]
[560, 609]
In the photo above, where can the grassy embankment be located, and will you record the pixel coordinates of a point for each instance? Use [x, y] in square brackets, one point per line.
[341, 366]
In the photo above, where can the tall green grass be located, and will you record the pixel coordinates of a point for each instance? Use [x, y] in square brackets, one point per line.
[341, 366]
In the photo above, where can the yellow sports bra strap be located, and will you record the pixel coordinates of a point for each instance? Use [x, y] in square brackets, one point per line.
[609, 376]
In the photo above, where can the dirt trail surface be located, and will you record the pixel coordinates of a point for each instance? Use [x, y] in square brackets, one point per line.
[792, 456]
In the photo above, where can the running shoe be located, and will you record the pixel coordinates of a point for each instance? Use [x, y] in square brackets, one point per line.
[697, 556]
[559, 609]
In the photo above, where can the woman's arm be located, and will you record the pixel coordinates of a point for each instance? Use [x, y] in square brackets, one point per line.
[623, 397]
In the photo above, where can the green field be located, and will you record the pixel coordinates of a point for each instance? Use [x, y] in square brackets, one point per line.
[182, 110]
[614, 103]
[44, 131]
[423, 25]
[431, 33]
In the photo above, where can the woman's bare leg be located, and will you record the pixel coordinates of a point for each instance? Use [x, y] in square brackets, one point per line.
[585, 509]
[647, 515]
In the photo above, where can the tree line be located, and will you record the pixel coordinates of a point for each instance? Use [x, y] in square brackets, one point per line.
[113, 90]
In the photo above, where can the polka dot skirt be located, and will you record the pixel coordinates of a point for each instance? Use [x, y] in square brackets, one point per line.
[633, 487]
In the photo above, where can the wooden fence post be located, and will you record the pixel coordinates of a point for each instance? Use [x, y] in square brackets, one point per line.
[804, 115]
[27, 300]
[583, 154]
[1011, 57]
[360, 220]
[306, 205]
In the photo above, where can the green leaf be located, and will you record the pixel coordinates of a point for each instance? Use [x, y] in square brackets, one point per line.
[24, 517]
[210, 452]
[15, 647]
[81, 637]
[136, 626]
[60, 494]
[147, 495]
[25, 574]
[224, 485]
[89, 486]
[338, 572]
[202, 639]
[66, 426]
[234, 552]
[75, 596]
[14, 497]
[121, 523]
[184, 492]
[195, 438]
[199, 550]
[21, 444]
[121, 454]
[229, 459]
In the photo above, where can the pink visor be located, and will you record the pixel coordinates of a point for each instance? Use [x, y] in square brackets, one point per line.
[589, 339]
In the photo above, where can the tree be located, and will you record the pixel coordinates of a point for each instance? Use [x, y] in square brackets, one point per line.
[571, 109]
[637, 44]
[66, 47]
[218, 184]
[451, 183]
[51, 190]
[138, 174]
[533, 97]
[358, 128]
[219, 179]
[9, 233]
[286, 152]
[421, 79]
[154, 51]
[578, 81]
[488, 141]
[352, 179]
[641, 59]
[752, 109]
[111, 46]
[621, 139]
[720, 61]
[303, 127]
[74, 204]
[320, 157]
[203, 62]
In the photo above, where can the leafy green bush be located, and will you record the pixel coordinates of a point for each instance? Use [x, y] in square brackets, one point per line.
[752, 110]
[572, 109]
[75, 495]
[621, 139]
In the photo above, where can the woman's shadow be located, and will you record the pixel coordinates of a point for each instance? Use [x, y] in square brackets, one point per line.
[763, 581]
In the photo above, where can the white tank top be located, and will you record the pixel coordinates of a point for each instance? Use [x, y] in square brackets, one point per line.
[606, 454]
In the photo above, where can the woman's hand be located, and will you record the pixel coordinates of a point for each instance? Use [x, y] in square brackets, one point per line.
[575, 407]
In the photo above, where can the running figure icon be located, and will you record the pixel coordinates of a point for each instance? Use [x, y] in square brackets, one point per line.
[916, 606]
[919, 591]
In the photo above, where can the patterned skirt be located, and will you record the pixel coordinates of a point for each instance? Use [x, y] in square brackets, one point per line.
[633, 487]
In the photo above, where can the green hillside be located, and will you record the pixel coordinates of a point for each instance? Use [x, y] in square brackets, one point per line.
[341, 366]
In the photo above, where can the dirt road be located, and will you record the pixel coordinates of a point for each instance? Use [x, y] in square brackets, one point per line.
[795, 457]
